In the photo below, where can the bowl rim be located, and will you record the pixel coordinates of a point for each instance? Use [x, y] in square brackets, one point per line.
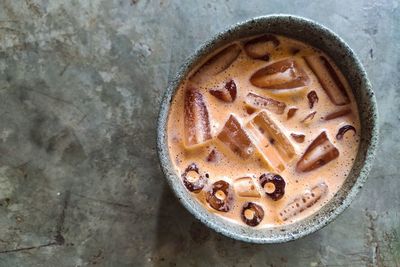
[171, 175]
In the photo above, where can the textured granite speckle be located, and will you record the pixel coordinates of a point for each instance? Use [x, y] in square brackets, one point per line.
[81, 82]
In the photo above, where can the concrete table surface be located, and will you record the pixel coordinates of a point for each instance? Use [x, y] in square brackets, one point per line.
[80, 184]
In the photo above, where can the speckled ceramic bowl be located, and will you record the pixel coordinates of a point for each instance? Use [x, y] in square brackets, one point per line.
[324, 39]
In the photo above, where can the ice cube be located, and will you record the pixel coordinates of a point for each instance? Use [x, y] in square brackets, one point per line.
[269, 154]
[271, 140]
[306, 200]
[274, 133]
[196, 119]
[343, 130]
[320, 152]
[255, 102]
[245, 187]
[337, 114]
[227, 93]
[328, 79]
[220, 196]
[261, 47]
[217, 63]
[236, 138]
[284, 74]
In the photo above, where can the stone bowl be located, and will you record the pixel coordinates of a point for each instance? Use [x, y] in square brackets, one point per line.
[319, 36]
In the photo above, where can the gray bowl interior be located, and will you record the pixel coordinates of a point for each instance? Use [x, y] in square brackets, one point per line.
[324, 39]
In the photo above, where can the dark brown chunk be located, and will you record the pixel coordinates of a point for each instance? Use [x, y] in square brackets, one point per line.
[343, 130]
[220, 196]
[291, 112]
[192, 179]
[227, 93]
[250, 110]
[252, 214]
[299, 138]
[273, 184]
[213, 156]
[312, 98]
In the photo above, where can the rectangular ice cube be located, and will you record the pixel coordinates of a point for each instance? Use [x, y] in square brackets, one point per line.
[268, 152]
[245, 187]
[236, 138]
[337, 114]
[261, 47]
[255, 101]
[284, 74]
[217, 63]
[304, 201]
[196, 118]
[271, 140]
[328, 79]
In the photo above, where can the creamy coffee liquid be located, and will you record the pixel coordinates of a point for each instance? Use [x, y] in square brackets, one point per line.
[264, 132]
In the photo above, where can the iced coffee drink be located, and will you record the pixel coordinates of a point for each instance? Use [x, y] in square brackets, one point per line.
[264, 131]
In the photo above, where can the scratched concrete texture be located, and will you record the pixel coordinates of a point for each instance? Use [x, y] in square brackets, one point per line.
[80, 87]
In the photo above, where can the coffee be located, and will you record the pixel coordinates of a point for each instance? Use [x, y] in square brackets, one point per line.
[264, 131]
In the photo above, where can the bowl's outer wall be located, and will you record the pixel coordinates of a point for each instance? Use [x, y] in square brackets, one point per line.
[324, 39]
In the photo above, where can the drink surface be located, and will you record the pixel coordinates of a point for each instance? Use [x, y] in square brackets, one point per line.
[264, 132]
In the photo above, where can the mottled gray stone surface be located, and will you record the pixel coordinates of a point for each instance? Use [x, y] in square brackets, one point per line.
[80, 185]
